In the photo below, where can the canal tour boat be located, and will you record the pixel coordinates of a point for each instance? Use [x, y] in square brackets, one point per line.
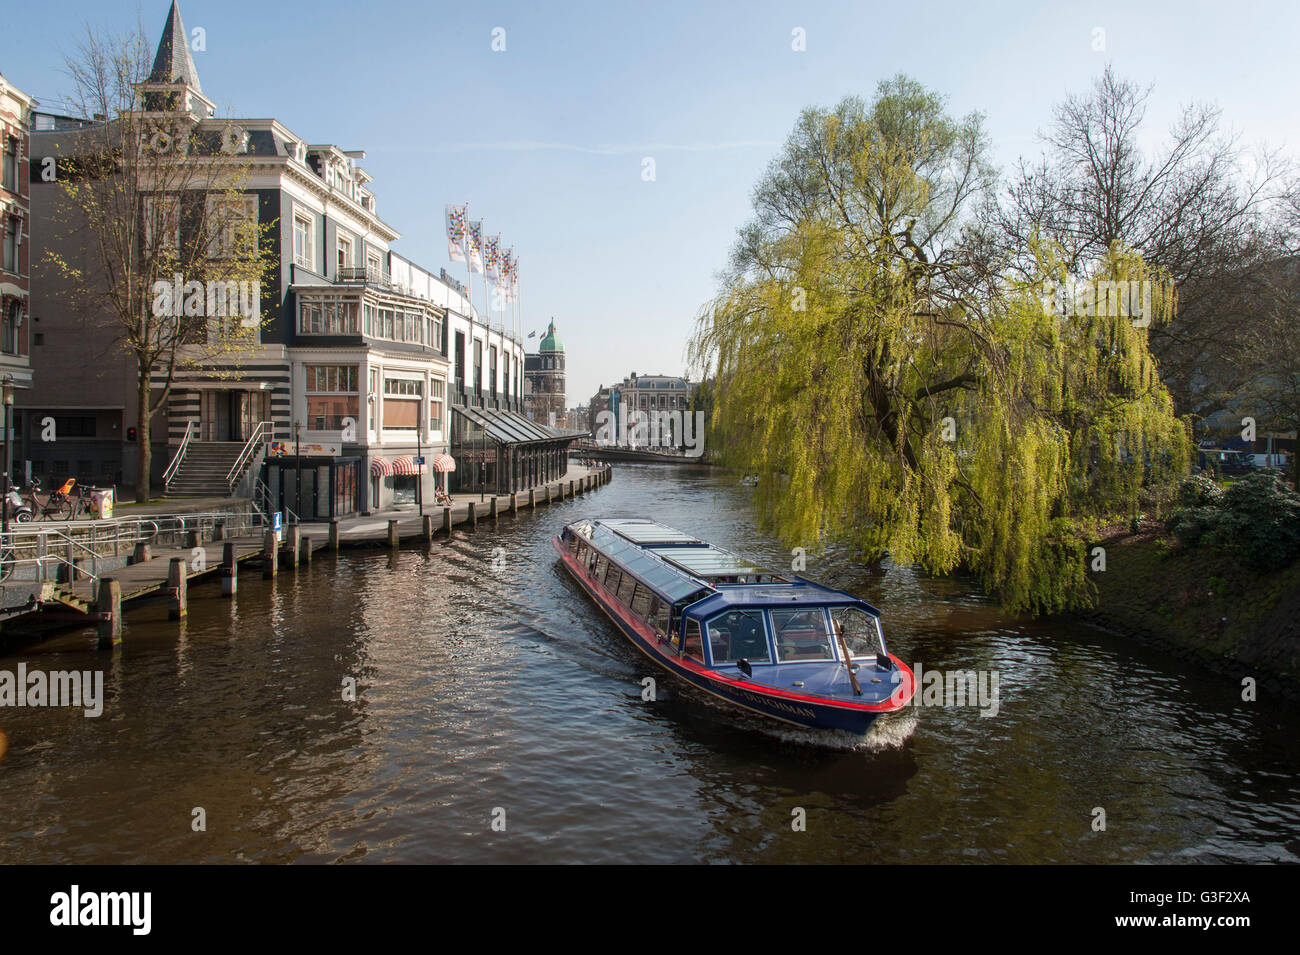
[772, 644]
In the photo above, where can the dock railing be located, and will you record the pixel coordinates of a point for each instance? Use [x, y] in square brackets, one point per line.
[31, 551]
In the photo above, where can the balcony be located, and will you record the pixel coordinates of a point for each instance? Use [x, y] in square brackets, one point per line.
[367, 275]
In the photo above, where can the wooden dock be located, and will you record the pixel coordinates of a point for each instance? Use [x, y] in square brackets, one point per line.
[166, 572]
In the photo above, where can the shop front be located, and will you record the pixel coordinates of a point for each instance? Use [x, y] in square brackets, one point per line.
[313, 481]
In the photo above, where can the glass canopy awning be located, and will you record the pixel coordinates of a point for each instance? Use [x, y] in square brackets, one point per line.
[506, 427]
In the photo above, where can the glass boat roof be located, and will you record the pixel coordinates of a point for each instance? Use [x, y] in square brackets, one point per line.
[707, 561]
[670, 582]
[649, 532]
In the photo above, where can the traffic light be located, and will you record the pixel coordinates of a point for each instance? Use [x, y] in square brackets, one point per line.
[130, 434]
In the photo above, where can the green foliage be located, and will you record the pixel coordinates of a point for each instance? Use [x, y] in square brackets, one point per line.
[871, 350]
[1197, 490]
[1257, 520]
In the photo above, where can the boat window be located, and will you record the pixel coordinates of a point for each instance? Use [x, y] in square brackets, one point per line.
[612, 578]
[861, 631]
[641, 602]
[625, 588]
[802, 634]
[602, 565]
[694, 642]
[659, 614]
[734, 634]
[579, 550]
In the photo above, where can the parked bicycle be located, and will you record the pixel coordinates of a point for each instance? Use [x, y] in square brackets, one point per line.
[58, 505]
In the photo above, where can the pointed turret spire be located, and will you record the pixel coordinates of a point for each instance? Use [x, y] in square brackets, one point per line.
[173, 63]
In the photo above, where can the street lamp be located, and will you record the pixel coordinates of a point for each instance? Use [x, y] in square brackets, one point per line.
[8, 387]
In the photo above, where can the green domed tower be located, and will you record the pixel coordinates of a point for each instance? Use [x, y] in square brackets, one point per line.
[544, 393]
[552, 341]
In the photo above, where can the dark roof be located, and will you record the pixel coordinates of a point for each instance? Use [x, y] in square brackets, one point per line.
[775, 596]
[173, 63]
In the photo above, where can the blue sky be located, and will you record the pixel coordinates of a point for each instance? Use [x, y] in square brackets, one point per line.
[546, 139]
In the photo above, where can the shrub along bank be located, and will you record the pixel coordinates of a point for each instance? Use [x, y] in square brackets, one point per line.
[1220, 582]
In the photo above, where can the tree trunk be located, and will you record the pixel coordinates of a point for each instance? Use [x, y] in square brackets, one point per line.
[144, 453]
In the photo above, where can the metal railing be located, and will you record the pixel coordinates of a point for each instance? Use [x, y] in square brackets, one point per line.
[175, 466]
[60, 543]
[264, 431]
[261, 503]
[371, 276]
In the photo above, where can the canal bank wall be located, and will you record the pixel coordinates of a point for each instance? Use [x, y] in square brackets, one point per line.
[1203, 607]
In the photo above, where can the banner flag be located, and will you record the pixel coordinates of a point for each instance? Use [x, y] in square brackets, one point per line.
[474, 246]
[492, 259]
[456, 233]
[505, 267]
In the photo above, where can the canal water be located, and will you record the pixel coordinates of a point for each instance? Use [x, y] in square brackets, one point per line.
[489, 689]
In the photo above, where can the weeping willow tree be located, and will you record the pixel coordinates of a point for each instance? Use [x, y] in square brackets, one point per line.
[900, 391]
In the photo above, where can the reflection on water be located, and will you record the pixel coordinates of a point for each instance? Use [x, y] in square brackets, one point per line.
[482, 689]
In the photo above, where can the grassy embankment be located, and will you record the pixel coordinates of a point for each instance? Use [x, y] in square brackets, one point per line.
[1201, 604]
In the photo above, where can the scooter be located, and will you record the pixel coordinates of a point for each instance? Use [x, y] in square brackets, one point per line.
[20, 511]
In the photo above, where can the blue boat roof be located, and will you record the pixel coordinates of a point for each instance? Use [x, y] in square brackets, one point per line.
[796, 593]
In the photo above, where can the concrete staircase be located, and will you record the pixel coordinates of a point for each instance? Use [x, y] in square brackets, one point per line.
[203, 471]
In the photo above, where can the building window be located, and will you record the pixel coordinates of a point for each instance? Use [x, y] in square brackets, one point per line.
[374, 398]
[10, 175]
[302, 244]
[374, 267]
[402, 403]
[328, 317]
[332, 396]
[478, 367]
[492, 369]
[162, 222]
[9, 262]
[344, 244]
[233, 226]
[436, 387]
[13, 317]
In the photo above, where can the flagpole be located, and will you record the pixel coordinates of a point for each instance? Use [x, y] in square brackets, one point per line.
[482, 254]
[469, 274]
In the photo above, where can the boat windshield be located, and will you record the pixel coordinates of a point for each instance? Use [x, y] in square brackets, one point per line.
[861, 631]
[737, 634]
[802, 634]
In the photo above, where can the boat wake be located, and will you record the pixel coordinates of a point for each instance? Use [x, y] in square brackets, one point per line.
[885, 733]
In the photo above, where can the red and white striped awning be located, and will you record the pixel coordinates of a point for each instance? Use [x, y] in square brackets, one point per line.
[406, 465]
[380, 467]
[443, 463]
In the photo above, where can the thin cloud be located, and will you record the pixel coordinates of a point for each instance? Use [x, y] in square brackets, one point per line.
[601, 150]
